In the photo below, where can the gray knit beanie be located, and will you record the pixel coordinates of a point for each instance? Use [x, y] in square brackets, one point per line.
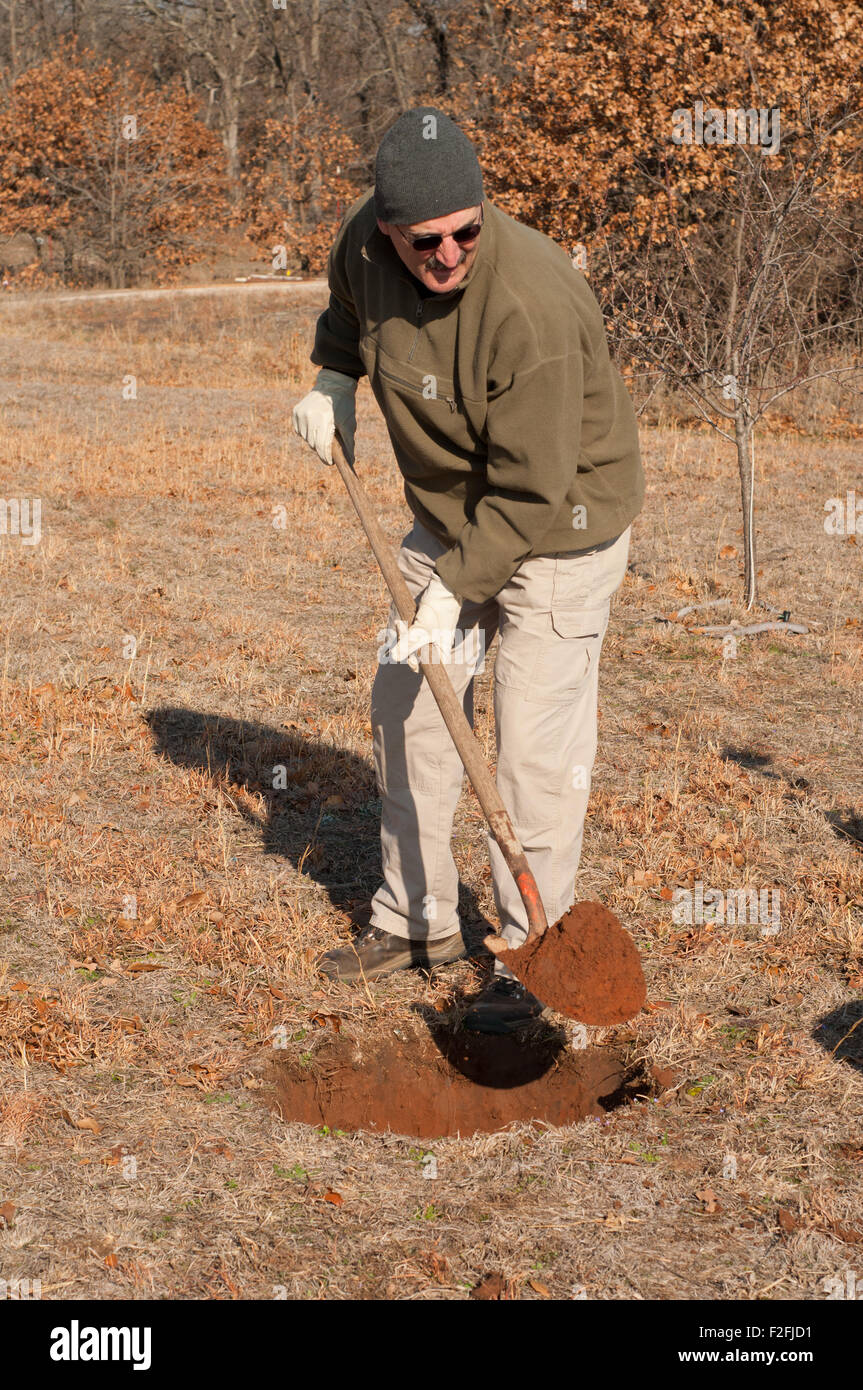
[425, 167]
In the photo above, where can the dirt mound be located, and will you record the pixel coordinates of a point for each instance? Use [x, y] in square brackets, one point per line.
[585, 966]
[494, 1286]
[447, 1083]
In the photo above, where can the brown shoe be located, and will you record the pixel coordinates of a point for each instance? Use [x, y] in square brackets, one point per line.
[378, 952]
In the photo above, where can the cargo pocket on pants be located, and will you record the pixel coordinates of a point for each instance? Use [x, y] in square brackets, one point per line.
[568, 655]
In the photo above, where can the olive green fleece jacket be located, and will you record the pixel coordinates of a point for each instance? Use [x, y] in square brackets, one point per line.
[510, 424]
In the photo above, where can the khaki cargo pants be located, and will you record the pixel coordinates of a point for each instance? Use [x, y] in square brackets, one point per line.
[551, 617]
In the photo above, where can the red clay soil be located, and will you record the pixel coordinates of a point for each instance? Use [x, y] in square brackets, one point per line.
[585, 966]
[456, 1083]
[494, 1286]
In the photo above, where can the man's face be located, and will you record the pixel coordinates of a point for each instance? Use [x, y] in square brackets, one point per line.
[446, 267]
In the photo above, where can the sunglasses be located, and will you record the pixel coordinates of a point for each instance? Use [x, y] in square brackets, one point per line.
[433, 240]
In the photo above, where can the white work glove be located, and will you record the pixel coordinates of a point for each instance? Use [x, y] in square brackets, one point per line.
[435, 622]
[329, 406]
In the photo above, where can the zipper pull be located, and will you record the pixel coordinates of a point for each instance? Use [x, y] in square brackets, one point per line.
[420, 309]
[450, 400]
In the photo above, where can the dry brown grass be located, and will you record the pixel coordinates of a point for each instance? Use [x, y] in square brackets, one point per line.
[148, 777]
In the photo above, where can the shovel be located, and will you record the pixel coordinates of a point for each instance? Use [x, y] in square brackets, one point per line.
[586, 965]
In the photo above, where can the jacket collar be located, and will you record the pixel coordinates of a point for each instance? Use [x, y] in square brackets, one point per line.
[379, 250]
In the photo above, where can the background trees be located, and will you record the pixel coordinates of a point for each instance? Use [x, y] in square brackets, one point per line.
[122, 175]
[717, 261]
[729, 317]
[569, 101]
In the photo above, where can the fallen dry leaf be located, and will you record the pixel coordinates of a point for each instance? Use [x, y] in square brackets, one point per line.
[191, 900]
[321, 1021]
[847, 1233]
[539, 1288]
[116, 1155]
[710, 1200]
[7, 1213]
[85, 1122]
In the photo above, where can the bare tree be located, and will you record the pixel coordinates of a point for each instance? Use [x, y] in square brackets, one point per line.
[225, 36]
[12, 11]
[385, 32]
[727, 313]
[435, 26]
[123, 177]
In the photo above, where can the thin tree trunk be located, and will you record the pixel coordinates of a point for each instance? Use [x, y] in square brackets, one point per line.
[744, 440]
[316, 174]
[231, 132]
[438, 36]
[383, 33]
[13, 44]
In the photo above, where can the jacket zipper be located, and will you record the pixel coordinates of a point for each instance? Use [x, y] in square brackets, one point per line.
[419, 315]
[399, 380]
[412, 386]
[450, 400]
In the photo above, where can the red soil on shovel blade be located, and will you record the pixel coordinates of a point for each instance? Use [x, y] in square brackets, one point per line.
[586, 966]
[458, 1083]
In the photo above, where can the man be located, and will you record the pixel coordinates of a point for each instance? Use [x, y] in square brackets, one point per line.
[517, 441]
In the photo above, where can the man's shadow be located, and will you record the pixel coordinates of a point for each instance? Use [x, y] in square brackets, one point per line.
[321, 806]
[498, 1062]
[323, 816]
[840, 1033]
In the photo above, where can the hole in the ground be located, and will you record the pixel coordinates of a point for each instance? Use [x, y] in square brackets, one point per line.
[428, 1086]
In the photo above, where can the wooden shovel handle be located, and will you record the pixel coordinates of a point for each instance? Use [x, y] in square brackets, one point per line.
[450, 707]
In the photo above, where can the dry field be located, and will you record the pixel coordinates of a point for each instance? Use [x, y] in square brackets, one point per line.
[201, 606]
